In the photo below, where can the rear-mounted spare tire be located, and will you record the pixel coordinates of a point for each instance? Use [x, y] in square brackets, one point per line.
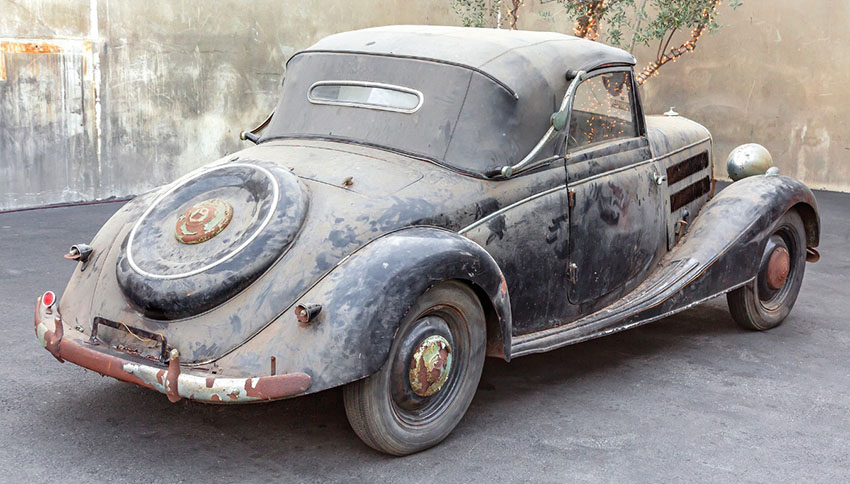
[208, 236]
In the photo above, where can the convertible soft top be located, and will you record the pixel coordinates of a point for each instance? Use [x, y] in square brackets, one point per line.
[497, 53]
[497, 87]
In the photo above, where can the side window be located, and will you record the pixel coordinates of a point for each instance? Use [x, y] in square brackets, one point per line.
[602, 110]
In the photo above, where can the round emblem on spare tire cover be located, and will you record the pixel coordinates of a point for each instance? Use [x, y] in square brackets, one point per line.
[203, 221]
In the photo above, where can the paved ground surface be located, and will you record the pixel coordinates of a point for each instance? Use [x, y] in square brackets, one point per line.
[688, 399]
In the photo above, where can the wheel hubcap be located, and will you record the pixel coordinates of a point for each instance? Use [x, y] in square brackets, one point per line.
[778, 268]
[430, 365]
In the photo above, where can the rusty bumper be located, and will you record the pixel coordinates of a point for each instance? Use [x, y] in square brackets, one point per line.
[171, 381]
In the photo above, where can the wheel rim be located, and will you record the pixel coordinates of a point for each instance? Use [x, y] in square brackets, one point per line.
[437, 343]
[779, 269]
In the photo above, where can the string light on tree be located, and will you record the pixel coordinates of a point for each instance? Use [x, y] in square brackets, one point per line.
[513, 12]
[627, 23]
[588, 14]
[707, 17]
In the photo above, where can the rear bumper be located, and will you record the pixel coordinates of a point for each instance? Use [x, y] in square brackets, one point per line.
[171, 380]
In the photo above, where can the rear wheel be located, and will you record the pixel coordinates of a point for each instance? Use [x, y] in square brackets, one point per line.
[430, 376]
[767, 301]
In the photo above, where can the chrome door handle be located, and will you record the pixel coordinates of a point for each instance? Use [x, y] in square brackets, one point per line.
[660, 179]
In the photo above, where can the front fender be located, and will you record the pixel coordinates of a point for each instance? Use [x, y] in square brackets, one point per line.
[729, 235]
[365, 298]
[721, 252]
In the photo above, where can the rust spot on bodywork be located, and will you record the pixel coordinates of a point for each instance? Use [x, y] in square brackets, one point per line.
[133, 351]
[265, 388]
[52, 340]
[172, 377]
[689, 194]
[690, 166]
[99, 362]
[195, 387]
[812, 255]
[305, 313]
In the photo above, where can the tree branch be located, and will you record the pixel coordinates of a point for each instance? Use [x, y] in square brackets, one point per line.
[513, 12]
[706, 18]
[666, 44]
[637, 26]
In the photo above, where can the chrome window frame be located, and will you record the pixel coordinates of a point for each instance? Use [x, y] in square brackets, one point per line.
[379, 85]
[633, 101]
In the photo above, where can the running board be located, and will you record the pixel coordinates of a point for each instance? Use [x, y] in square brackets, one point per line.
[663, 284]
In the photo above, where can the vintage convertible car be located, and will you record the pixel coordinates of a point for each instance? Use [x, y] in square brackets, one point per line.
[423, 197]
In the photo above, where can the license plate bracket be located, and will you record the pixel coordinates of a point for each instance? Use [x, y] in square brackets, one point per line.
[137, 332]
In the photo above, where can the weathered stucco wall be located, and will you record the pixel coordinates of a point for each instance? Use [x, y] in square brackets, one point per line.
[778, 73]
[104, 98]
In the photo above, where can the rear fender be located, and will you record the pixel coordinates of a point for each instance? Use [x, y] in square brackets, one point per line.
[365, 298]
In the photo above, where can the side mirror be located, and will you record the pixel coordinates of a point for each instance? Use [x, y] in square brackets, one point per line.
[559, 120]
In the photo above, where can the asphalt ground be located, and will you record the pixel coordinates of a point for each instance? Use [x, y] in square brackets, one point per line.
[690, 398]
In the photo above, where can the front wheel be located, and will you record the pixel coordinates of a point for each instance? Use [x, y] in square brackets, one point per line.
[767, 301]
[430, 376]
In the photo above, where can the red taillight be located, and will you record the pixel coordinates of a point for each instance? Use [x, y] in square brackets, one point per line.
[48, 299]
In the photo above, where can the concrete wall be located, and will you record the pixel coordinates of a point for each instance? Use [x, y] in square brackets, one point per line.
[778, 73]
[104, 98]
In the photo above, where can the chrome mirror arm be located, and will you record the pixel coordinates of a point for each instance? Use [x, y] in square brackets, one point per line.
[559, 121]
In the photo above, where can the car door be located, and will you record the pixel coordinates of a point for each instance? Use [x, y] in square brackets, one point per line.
[616, 204]
[529, 240]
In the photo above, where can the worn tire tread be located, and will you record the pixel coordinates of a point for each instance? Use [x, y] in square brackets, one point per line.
[740, 307]
[355, 409]
[742, 301]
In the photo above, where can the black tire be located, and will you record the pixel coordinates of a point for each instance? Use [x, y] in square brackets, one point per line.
[755, 307]
[384, 410]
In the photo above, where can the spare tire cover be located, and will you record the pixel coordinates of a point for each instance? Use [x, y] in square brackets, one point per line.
[208, 236]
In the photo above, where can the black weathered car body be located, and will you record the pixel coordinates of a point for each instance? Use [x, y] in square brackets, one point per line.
[513, 168]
